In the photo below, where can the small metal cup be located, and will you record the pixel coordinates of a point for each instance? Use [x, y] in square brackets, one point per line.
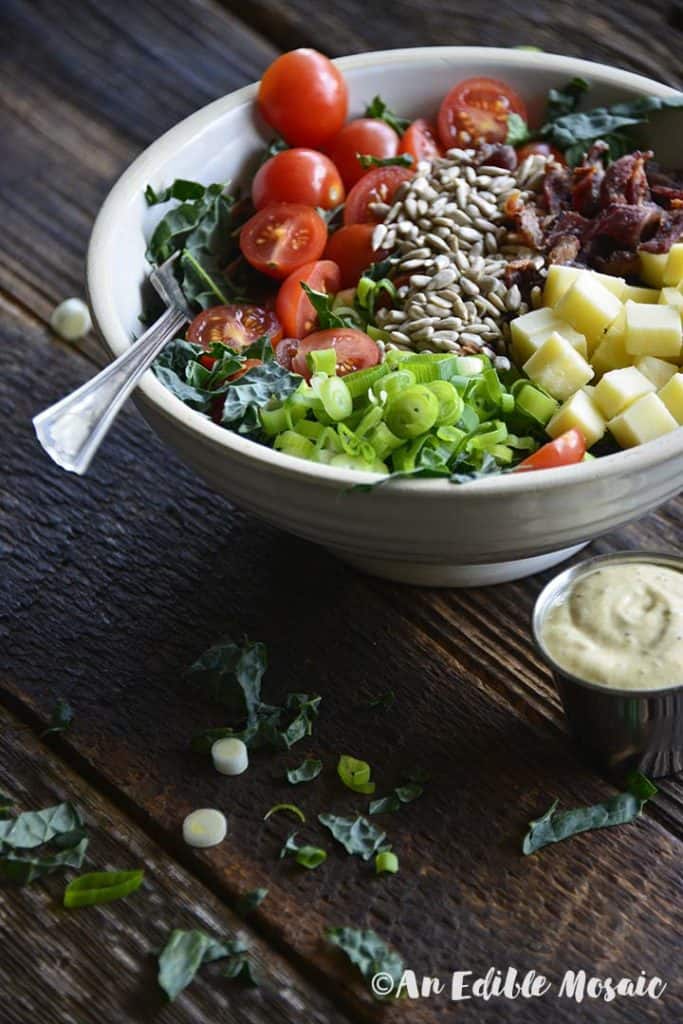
[621, 730]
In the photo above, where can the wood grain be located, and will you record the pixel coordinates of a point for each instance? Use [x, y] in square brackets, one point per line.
[629, 34]
[118, 596]
[112, 584]
[99, 963]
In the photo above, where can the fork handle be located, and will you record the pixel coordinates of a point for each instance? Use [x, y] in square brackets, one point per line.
[72, 430]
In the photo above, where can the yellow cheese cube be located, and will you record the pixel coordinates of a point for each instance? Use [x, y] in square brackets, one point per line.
[558, 368]
[672, 396]
[645, 420]
[652, 267]
[653, 331]
[657, 370]
[531, 330]
[578, 412]
[611, 353]
[673, 271]
[636, 294]
[558, 280]
[672, 297]
[589, 307]
[620, 388]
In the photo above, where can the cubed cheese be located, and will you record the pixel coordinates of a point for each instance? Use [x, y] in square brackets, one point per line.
[636, 294]
[528, 333]
[653, 331]
[620, 388]
[672, 396]
[645, 420]
[652, 267]
[657, 370]
[611, 353]
[672, 297]
[558, 368]
[673, 270]
[559, 279]
[579, 412]
[589, 307]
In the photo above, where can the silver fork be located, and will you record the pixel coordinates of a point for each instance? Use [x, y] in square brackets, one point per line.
[72, 430]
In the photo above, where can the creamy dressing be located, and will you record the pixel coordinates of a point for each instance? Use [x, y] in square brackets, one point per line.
[620, 626]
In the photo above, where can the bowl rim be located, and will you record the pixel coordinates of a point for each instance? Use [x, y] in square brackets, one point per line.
[559, 586]
[151, 391]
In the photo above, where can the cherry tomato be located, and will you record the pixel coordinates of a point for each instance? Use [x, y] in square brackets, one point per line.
[366, 135]
[283, 237]
[293, 307]
[542, 149]
[477, 110]
[355, 350]
[565, 450]
[351, 249]
[420, 141]
[285, 351]
[376, 186]
[303, 96]
[238, 326]
[298, 176]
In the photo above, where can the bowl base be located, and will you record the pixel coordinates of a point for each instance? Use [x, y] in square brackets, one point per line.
[427, 574]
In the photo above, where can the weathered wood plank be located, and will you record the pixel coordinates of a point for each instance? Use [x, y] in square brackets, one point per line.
[82, 90]
[118, 596]
[629, 34]
[99, 963]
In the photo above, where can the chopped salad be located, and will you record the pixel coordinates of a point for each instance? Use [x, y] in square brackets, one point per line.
[454, 296]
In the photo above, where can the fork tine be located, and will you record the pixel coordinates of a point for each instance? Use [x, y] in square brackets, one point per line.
[166, 285]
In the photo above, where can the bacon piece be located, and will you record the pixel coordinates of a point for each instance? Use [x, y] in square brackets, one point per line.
[625, 180]
[620, 263]
[557, 190]
[625, 225]
[667, 196]
[669, 232]
[565, 250]
[490, 155]
[525, 274]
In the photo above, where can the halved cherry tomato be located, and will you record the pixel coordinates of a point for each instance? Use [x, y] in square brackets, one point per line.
[355, 350]
[366, 135]
[351, 249]
[565, 450]
[238, 326]
[283, 237]
[303, 96]
[298, 176]
[477, 110]
[542, 149]
[247, 365]
[285, 351]
[293, 307]
[376, 186]
[419, 140]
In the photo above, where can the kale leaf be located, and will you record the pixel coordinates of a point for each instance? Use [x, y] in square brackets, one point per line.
[368, 952]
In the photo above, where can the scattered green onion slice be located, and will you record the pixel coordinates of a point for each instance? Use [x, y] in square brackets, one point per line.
[310, 856]
[101, 887]
[278, 808]
[355, 774]
[386, 861]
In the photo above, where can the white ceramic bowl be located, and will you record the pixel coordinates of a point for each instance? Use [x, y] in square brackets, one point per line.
[416, 531]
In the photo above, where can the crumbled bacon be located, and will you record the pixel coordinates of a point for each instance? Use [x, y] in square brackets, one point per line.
[525, 274]
[557, 188]
[496, 155]
[669, 232]
[627, 226]
[625, 180]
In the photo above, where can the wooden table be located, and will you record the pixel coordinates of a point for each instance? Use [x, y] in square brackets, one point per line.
[111, 585]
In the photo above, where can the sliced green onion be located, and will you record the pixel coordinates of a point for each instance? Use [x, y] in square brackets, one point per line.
[395, 382]
[386, 861]
[310, 857]
[329, 441]
[292, 443]
[344, 298]
[336, 398]
[275, 421]
[355, 774]
[383, 441]
[470, 366]
[279, 808]
[487, 436]
[359, 381]
[371, 419]
[450, 402]
[404, 459]
[311, 429]
[534, 403]
[322, 360]
[412, 412]
[348, 440]
[507, 403]
[101, 887]
[451, 435]
[377, 333]
[502, 454]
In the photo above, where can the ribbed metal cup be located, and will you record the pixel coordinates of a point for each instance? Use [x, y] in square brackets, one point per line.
[620, 729]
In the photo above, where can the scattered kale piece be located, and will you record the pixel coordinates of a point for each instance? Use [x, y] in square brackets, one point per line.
[59, 829]
[307, 771]
[357, 835]
[61, 718]
[368, 952]
[186, 951]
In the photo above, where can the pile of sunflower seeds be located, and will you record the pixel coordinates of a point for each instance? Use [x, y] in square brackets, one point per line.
[446, 229]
